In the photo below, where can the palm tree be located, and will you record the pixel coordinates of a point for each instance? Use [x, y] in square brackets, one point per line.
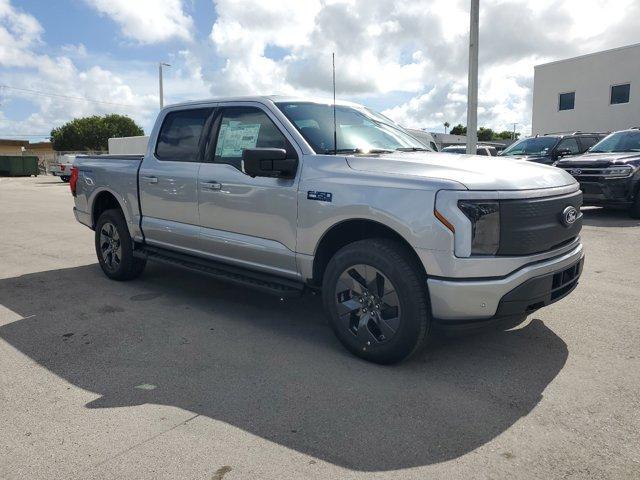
[446, 125]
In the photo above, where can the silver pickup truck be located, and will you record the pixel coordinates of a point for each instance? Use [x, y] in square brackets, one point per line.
[287, 194]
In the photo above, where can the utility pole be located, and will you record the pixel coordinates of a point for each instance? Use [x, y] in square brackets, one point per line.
[513, 137]
[160, 65]
[472, 95]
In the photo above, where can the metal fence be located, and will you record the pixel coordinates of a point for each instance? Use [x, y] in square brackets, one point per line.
[46, 159]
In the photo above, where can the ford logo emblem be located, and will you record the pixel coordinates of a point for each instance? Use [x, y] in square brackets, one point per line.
[575, 171]
[569, 216]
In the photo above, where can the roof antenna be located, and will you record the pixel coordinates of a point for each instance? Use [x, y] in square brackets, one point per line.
[335, 128]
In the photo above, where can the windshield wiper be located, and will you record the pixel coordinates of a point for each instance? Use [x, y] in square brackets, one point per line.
[412, 149]
[360, 150]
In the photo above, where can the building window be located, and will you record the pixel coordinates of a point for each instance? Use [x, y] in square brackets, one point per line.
[567, 101]
[620, 93]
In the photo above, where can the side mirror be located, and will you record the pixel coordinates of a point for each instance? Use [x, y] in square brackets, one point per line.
[563, 152]
[268, 162]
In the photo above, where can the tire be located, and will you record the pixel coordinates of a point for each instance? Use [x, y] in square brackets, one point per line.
[634, 211]
[65, 178]
[368, 324]
[118, 263]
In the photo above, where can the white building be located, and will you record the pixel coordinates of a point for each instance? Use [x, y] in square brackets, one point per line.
[599, 92]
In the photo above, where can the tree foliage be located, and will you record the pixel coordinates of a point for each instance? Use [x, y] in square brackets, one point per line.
[92, 133]
[459, 130]
[484, 134]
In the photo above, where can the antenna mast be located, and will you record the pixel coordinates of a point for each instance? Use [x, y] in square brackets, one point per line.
[335, 127]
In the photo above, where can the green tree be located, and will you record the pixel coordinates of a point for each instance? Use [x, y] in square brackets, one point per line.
[459, 130]
[505, 135]
[92, 133]
[485, 134]
[446, 125]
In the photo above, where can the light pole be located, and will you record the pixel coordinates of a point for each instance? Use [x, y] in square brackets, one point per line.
[160, 65]
[472, 95]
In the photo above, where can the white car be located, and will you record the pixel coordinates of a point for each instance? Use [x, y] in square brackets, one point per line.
[62, 168]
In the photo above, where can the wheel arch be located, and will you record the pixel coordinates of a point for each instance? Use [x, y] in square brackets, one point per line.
[102, 201]
[345, 232]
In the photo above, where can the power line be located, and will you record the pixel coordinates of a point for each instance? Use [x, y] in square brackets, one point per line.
[67, 97]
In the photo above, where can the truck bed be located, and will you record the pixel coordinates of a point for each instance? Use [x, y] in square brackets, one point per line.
[116, 174]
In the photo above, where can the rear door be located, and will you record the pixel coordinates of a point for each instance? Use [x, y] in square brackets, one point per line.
[168, 179]
[587, 142]
[248, 221]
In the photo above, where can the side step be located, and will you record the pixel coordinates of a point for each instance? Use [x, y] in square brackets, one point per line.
[264, 282]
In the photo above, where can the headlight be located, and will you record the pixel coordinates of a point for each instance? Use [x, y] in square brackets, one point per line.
[623, 171]
[485, 224]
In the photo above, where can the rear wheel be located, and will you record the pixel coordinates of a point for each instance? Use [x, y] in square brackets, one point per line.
[114, 247]
[377, 300]
[64, 178]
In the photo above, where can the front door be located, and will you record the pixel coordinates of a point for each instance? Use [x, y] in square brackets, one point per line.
[247, 221]
[168, 180]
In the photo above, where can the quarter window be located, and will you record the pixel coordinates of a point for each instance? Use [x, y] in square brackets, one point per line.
[179, 137]
[588, 142]
[567, 101]
[245, 127]
[620, 93]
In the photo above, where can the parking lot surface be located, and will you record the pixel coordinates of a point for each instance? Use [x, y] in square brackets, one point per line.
[175, 375]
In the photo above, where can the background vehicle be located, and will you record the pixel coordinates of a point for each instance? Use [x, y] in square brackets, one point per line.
[257, 191]
[425, 138]
[550, 148]
[62, 168]
[609, 174]
[484, 150]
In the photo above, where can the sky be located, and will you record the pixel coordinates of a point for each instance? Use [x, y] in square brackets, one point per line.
[62, 59]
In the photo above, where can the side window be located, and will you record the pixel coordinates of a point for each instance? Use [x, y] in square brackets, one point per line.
[180, 133]
[587, 143]
[569, 144]
[245, 127]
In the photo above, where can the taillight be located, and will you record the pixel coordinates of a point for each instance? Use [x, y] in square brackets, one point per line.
[62, 168]
[73, 181]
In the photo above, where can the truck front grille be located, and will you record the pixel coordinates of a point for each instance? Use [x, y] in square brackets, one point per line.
[534, 225]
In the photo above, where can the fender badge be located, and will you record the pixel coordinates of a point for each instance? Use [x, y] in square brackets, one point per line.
[320, 196]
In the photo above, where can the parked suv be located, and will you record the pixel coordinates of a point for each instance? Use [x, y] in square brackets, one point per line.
[483, 150]
[288, 194]
[549, 148]
[609, 173]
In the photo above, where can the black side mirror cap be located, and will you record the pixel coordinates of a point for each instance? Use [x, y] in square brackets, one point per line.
[563, 151]
[268, 162]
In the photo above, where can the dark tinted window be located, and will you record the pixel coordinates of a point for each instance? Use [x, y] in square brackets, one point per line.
[570, 144]
[531, 146]
[180, 135]
[245, 127]
[620, 93]
[625, 141]
[588, 142]
[567, 101]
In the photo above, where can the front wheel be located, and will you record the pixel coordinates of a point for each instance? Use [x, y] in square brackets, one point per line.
[377, 300]
[114, 247]
[634, 211]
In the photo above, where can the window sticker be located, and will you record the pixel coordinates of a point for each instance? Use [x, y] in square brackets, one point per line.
[235, 136]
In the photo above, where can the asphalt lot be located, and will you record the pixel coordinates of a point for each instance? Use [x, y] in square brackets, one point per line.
[177, 376]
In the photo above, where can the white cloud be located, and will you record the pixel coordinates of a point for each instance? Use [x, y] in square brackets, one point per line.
[148, 21]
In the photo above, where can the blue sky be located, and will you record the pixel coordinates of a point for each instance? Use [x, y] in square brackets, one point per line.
[406, 58]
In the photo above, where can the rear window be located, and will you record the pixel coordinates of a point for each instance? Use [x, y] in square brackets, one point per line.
[180, 134]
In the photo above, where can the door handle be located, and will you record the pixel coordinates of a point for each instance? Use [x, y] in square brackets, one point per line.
[215, 186]
[151, 179]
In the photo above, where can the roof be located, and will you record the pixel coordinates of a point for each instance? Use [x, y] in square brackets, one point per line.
[592, 54]
[14, 143]
[265, 99]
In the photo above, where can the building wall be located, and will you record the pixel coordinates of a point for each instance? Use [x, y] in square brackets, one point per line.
[590, 77]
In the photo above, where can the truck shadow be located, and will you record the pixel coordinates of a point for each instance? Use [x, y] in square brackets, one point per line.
[274, 369]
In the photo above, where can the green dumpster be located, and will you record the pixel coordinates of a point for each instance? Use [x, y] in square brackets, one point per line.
[18, 166]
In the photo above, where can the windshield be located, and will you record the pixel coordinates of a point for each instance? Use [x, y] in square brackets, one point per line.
[531, 146]
[358, 130]
[628, 141]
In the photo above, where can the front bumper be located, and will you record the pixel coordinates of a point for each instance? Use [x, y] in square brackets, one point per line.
[613, 191]
[459, 304]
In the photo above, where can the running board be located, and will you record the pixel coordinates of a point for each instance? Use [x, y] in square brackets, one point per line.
[264, 282]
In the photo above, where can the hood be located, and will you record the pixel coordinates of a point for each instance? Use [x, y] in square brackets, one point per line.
[473, 171]
[600, 159]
